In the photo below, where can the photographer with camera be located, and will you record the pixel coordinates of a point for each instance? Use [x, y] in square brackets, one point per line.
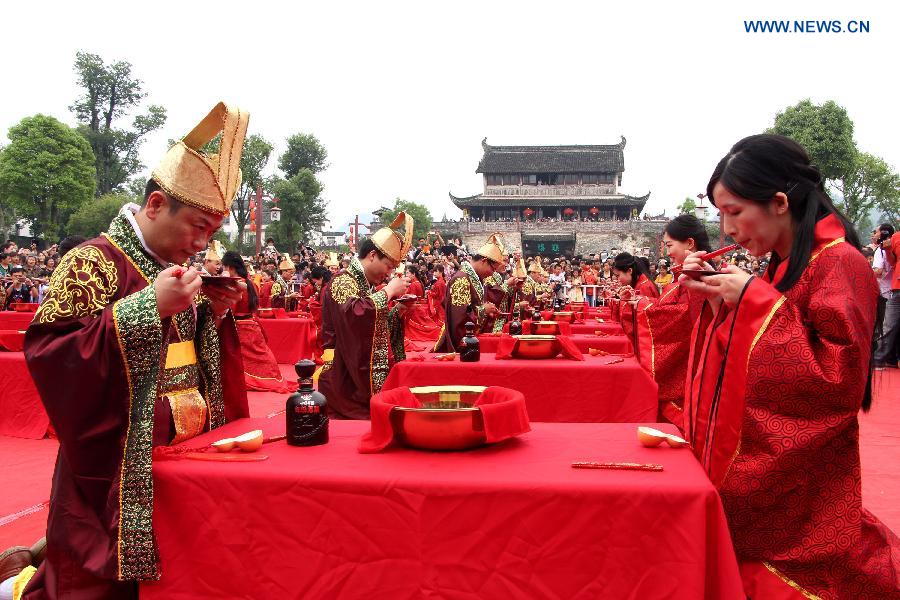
[20, 290]
[887, 320]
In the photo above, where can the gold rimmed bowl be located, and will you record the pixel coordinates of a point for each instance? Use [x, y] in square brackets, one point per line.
[447, 419]
[545, 328]
[537, 346]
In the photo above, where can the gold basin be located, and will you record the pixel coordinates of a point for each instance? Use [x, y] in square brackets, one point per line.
[536, 346]
[566, 316]
[446, 421]
[545, 328]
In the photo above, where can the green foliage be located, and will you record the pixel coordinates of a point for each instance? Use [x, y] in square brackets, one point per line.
[302, 209]
[226, 241]
[687, 207]
[870, 184]
[304, 151]
[825, 131]
[110, 94]
[890, 213]
[94, 216]
[860, 182]
[46, 172]
[419, 212]
[256, 154]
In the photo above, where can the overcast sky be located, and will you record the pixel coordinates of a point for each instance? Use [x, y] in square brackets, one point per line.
[401, 93]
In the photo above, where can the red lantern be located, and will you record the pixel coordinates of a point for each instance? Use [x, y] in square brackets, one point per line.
[569, 212]
[528, 213]
[595, 211]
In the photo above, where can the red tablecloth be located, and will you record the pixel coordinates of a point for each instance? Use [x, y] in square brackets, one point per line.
[592, 325]
[557, 390]
[21, 412]
[610, 343]
[512, 520]
[15, 320]
[290, 339]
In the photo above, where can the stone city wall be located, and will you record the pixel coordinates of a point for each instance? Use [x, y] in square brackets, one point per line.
[592, 237]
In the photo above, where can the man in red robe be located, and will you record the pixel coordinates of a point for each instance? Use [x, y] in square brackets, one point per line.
[125, 359]
[465, 301]
[364, 334]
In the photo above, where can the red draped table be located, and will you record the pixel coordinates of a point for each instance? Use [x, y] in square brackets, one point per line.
[15, 320]
[557, 390]
[512, 520]
[584, 342]
[592, 325]
[290, 339]
[21, 412]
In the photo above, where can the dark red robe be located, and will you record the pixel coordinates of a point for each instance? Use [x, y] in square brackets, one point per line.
[771, 414]
[97, 351]
[497, 292]
[464, 302]
[366, 338]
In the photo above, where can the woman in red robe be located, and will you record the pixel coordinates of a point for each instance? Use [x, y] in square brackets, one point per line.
[261, 372]
[436, 294]
[780, 369]
[663, 326]
[631, 270]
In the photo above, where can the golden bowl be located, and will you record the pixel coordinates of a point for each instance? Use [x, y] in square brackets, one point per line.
[566, 317]
[446, 421]
[536, 346]
[545, 328]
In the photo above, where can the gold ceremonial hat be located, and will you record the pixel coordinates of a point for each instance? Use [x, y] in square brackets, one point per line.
[389, 240]
[535, 267]
[519, 270]
[286, 264]
[332, 260]
[207, 182]
[215, 251]
[494, 249]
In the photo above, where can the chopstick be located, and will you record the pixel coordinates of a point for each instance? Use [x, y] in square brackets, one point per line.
[713, 254]
[617, 466]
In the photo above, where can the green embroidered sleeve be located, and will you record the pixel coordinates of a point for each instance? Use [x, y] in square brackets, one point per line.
[140, 333]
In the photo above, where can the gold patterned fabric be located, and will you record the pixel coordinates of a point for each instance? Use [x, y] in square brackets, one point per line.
[82, 285]
[344, 287]
[460, 293]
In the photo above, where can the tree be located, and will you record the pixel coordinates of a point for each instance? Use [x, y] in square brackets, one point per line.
[825, 131]
[304, 151]
[95, 215]
[870, 184]
[857, 181]
[46, 172]
[111, 93]
[302, 209]
[687, 207]
[890, 213]
[254, 158]
[419, 212]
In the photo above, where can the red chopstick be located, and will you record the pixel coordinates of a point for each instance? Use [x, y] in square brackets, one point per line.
[713, 254]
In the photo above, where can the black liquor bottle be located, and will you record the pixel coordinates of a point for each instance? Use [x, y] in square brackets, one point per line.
[536, 316]
[471, 347]
[515, 326]
[307, 418]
